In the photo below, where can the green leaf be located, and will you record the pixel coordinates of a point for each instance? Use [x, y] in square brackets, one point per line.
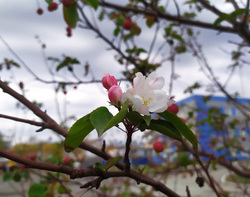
[221, 18]
[117, 31]
[99, 166]
[54, 59]
[9, 64]
[37, 190]
[181, 127]
[193, 87]
[25, 174]
[80, 129]
[190, 31]
[237, 13]
[119, 117]
[147, 119]
[181, 49]
[49, 1]
[67, 62]
[112, 162]
[100, 118]
[190, 1]
[162, 127]
[70, 15]
[120, 21]
[150, 20]
[135, 29]
[131, 50]
[189, 15]
[161, 8]
[101, 15]
[7, 176]
[63, 190]
[16, 176]
[135, 117]
[183, 159]
[141, 170]
[92, 3]
[140, 50]
[125, 194]
[60, 66]
[53, 160]
[177, 37]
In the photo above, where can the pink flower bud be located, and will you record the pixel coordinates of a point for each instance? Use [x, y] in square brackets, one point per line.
[108, 81]
[115, 94]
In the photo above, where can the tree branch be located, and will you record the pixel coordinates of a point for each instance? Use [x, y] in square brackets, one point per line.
[211, 76]
[228, 165]
[236, 7]
[87, 172]
[128, 142]
[72, 172]
[31, 122]
[243, 32]
[129, 59]
[210, 7]
[166, 16]
[221, 161]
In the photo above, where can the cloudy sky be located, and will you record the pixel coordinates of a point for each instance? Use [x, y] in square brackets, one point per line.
[20, 26]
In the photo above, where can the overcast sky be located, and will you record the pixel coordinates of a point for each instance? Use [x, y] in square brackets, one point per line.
[20, 24]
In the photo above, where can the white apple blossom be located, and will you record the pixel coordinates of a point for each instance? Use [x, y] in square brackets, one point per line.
[147, 95]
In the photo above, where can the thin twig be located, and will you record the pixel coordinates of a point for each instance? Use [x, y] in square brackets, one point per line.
[31, 122]
[101, 35]
[154, 39]
[188, 192]
[211, 182]
[211, 76]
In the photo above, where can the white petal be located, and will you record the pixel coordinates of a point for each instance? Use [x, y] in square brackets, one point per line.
[155, 82]
[143, 110]
[139, 84]
[160, 102]
[138, 105]
[127, 95]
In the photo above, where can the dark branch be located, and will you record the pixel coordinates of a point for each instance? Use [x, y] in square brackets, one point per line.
[243, 32]
[166, 16]
[31, 122]
[89, 172]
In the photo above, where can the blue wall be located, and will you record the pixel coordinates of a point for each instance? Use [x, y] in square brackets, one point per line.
[205, 131]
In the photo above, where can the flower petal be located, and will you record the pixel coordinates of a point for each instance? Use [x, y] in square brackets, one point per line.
[155, 82]
[128, 95]
[140, 85]
[138, 105]
[160, 102]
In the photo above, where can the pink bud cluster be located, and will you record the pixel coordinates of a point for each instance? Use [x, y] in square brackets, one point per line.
[114, 90]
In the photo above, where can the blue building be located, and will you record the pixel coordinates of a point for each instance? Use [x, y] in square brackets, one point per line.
[221, 128]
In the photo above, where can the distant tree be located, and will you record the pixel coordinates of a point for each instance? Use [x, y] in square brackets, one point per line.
[3, 144]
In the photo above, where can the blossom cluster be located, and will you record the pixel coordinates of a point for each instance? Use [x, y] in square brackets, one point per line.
[146, 96]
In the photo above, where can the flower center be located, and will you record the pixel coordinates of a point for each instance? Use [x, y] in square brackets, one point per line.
[146, 102]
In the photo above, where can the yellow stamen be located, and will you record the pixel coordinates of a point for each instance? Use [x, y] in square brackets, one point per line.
[146, 102]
